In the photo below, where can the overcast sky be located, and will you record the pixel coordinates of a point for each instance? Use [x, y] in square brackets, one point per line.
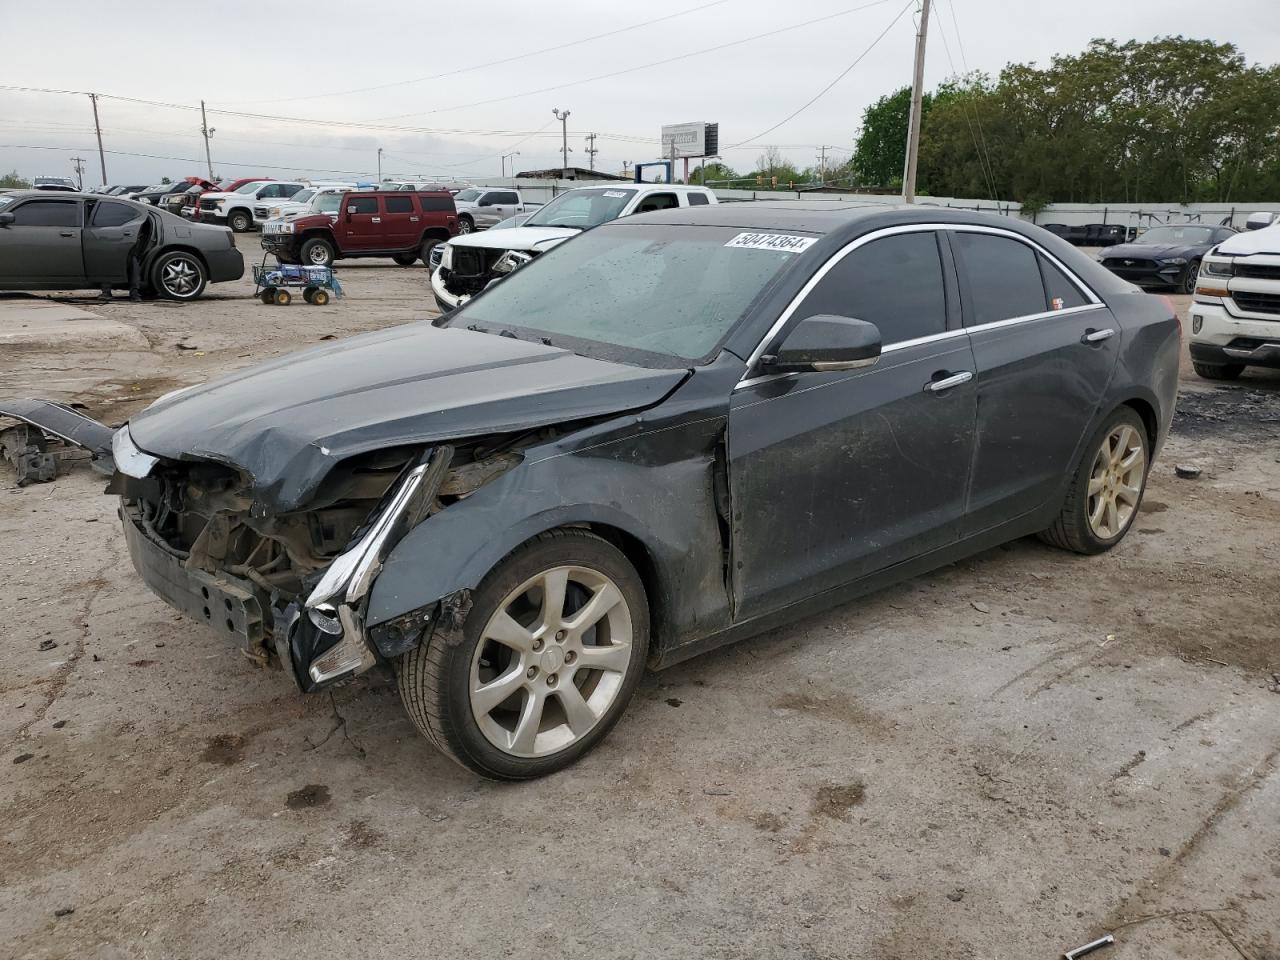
[302, 60]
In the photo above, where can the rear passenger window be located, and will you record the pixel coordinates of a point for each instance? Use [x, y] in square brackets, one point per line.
[108, 214]
[362, 204]
[697, 199]
[895, 283]
[1063, 294]
[436, 204]
[658, 201]
[399, 204]
[1003, 277]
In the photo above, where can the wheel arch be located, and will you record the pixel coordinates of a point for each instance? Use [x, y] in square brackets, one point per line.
[435, 233]
[1147, 413]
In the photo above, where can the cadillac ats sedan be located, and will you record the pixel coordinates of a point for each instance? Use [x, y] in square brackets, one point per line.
[671, 432]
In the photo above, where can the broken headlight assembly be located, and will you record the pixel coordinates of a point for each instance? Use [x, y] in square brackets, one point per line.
[510, 261]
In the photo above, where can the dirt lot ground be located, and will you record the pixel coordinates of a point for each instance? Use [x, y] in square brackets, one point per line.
[1004, 759]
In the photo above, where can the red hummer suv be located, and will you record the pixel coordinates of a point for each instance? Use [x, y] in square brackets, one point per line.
[400, 224]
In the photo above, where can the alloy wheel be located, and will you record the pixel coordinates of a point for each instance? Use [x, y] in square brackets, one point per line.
[551, 661]
[180, 277]
[319, 255]
[1115, 483]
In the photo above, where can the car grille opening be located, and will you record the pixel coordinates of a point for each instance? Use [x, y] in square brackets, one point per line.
[1258, 271]
[1256, 302]
[208, 204]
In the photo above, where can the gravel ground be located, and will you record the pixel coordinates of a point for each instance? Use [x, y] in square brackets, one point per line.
[1003, 759]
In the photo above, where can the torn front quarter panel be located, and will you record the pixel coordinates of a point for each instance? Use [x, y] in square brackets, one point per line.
[287, 423]
[32, 446]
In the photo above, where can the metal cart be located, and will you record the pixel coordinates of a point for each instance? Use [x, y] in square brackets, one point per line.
[271, 283]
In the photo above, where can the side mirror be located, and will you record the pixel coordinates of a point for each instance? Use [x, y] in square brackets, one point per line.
[6, 219]
[350, 210]
[824, 342]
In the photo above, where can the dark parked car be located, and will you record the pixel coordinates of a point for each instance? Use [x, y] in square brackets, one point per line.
[1165, 256]
[78, 241]
[672, 431]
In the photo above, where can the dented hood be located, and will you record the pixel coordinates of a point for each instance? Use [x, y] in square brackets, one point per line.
[287, 422]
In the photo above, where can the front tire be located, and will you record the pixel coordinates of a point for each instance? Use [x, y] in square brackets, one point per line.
[550, 654]
[1189, 276]
[317, 252]
[1106, 491]
[1212, 371]
[239, 221]
[466, 224]
[179, 275]
[405, 259]
[424, 251]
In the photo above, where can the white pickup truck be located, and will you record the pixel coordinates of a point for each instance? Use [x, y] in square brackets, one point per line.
[470, 263]
[235, 209]
[1235, 318]
[481, 207]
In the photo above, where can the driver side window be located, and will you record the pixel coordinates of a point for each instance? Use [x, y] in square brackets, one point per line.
[894, 282]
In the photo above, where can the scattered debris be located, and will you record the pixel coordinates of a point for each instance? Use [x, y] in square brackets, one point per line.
[1187, 471]
[674, 701]
[717, 792]
[23, 757]
[59, 724]
[836, 800]
[187, 346]
[1098, 944]
[1165, 852]
[979, 606]
[956, 895]
[1110, 638]
[312, 795]
[64, 911]
[48, 644]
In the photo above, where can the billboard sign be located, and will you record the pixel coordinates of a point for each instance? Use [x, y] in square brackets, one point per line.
[690, 140]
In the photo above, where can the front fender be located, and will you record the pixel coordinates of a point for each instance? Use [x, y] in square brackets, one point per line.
[657, 488]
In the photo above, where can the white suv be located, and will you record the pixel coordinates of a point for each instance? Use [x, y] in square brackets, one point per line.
[236, 209]
[1235, 319]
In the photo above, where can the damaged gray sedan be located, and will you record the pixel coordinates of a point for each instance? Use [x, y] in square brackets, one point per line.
[674, 431]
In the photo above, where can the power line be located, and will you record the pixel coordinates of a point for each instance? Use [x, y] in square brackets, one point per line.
[493, 63]
[643, 66]
[988, 177]
[977, 116]
[843, 73]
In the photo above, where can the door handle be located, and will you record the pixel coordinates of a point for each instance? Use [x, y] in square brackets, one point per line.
[377, 219]
[67, 233]
[948, 380]
[1097, 336]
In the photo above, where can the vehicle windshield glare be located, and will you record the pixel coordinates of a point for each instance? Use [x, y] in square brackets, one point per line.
[249, 187]
[582, 208]
[302, 196]
[1189, 234]
[327, 203]
[674, 291]
[468, 195]
[5, 201]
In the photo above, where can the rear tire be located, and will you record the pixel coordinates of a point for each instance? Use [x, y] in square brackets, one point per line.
[505, 699]
[1106, 491]
[317, 252]
[1212, 371]
[179, 275]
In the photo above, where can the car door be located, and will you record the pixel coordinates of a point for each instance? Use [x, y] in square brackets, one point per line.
[835, 475]
[1045, 349]
[399, 222]
[361, 222]
[110, 233]
[42, 244]
[494, 207]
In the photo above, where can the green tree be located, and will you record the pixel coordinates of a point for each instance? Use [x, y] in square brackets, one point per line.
[715, 172]
[13, 181]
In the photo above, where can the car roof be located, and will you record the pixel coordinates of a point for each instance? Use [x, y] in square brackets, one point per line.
[816, 216]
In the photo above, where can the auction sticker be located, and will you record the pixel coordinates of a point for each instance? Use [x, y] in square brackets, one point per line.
[772, 241]
[615, 194]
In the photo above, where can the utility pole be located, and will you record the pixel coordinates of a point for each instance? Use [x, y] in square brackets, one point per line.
[917, 94]
[822, 163]
[79, 162]
[591, 151]
[206, 132]
[563, 117]
[379, 166]
[102, 156]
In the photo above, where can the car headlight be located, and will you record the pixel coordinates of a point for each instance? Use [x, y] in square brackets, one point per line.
[275, 211]
[1217, 268]
[510, 261]
[1176, 261]
[446, 258]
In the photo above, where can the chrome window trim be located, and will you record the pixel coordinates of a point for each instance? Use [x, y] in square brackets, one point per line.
[1094, 300]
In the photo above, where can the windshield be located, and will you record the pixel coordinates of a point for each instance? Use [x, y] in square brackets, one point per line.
[5, 201]
[302, 196]
[673, 291]
[468, 195]
[582, 208]
[249, 187]
[1177, 235]
[327, 203]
